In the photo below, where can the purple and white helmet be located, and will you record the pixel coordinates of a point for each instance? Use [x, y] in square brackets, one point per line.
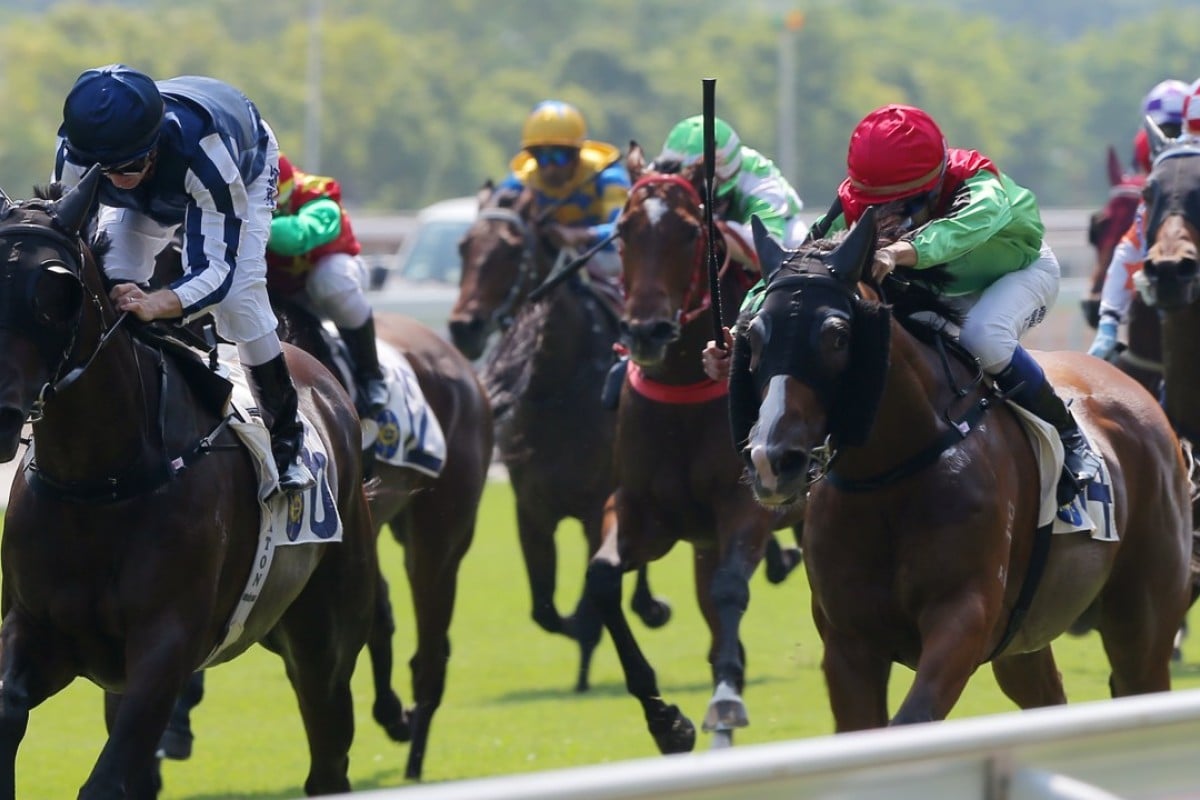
[1164, 103]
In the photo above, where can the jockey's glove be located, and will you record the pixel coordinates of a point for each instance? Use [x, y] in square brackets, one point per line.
[1106, 338]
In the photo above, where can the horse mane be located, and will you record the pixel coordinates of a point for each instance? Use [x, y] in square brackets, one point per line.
[507, 371]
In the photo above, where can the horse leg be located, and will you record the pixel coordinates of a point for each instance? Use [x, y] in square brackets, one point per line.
[1138, 637]
[149, 783]
[434, 555]
[387, 709]
[779, 561]
[536, 533]
[723, 590]
[28, 675]
[155, 674]
[1031, 680]
[856, 676]
[655, 612]
[584, 625]
[672, 731]
[176, 741]
[953, 641]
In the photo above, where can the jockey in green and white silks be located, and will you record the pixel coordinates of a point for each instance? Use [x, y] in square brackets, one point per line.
[746, 184]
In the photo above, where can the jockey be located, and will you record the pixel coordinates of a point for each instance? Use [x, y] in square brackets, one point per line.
[313, 250]
[580, 184]
[965, 213]
[1163, 104]
[192, 153]
[746, 184]
[1167, 107]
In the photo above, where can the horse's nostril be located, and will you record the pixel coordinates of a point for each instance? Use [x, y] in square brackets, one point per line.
[792, 462]
[663, 330]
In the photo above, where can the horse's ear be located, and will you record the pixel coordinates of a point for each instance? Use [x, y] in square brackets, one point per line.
[1115, 173]
[855, 253]
[5, 204]
[71, 211]
[635, 161]
[1158, 139]
[770, 254]
[485, 192]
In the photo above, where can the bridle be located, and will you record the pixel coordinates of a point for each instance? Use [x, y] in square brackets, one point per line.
[502, 315]
[57, 266]
[698, 282]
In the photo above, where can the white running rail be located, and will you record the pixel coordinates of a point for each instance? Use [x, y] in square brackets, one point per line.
[1138, 748]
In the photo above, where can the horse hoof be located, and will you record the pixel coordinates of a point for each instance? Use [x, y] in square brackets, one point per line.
[726, 710]
[389, 714]
[654, 614]
[673, 732]
[175, 745]
[789, 559]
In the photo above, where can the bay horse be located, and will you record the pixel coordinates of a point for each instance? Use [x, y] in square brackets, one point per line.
[433, 518]
[679, 478]
[1173, 248]
[544, 377]
[1141, 358]
[129, 536]
[920, 537]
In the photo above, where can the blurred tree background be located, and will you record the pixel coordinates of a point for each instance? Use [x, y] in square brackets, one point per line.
[416, 101]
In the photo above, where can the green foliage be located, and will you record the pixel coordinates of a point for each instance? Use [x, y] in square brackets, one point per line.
[420, 101]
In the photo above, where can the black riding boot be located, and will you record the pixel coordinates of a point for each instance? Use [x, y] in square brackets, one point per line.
[1025, 383]
[272, 384]
[610, 394]
[372, 385]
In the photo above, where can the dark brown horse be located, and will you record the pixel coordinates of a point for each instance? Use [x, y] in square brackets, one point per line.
[1173, 240]
[131, 533]
[678, 477]
[1142, 356]
[544, 376]
[432, 517]
[921, 537]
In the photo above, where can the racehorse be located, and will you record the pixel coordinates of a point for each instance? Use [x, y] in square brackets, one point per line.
[920, 536]
[1173, 245]
[1142, 357]
[432, 517]
[678, 476]
[544, 377]
[130, 534]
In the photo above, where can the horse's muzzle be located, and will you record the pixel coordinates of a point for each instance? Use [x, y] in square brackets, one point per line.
[647, 340]
[779, 475]
[469, 334]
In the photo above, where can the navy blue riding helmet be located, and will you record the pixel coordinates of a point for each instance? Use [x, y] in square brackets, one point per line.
[112, 115]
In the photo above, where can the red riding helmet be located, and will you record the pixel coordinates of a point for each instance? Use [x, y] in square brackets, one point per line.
[896, 151]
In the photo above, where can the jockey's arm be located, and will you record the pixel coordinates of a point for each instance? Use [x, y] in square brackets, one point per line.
[315, 223]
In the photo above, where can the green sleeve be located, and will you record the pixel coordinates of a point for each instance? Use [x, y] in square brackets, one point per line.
[985, 212]
[316, 223]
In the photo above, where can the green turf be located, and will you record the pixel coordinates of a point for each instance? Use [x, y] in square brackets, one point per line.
[509, 706]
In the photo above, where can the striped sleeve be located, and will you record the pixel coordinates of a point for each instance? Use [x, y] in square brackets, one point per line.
[212, 227]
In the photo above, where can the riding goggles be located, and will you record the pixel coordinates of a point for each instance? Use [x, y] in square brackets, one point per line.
[553, 156]
[134, 166]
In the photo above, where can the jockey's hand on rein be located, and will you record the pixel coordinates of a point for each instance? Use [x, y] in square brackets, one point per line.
[898, 254]
[568, 236]
[146, 306]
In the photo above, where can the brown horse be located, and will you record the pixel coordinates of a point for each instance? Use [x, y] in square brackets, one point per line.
[1173, 240]
[921, 537]
[678, 476]
[432, 517]
[131, 532]
[1142, 356]
[544, 376]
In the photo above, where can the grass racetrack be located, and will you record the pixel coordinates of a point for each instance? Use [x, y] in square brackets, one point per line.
[509, 705]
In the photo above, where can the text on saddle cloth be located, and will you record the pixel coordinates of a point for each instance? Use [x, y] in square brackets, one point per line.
[406, 433]
[1092, 511]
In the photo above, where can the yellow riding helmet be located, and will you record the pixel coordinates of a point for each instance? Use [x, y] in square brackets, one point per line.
[553, 122]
